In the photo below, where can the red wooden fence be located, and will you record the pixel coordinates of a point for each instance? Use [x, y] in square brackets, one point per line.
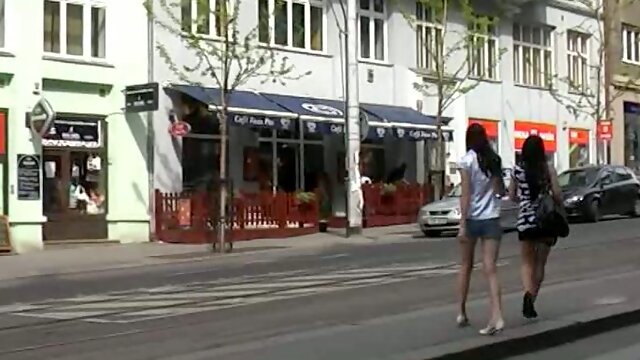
[193, 217]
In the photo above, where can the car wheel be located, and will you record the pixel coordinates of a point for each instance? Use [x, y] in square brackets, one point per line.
[593, 212]
[636, 208]
[431, 233]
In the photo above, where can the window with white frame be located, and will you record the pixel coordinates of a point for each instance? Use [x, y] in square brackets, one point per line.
[371, 25]
[292, 23]
[532, 55]
[482, 49]
[630, 44]
[577, 60]
[2, 24]
[429, 32]
[204, 17]
[74, 27]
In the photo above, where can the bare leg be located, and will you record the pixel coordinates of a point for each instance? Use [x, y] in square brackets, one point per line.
[490, 252]
[467, 248]
[542, 254]
[527, 269]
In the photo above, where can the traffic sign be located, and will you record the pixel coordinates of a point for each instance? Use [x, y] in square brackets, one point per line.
[141, 98]
[41, 117]
[179, 128]
[605, 130]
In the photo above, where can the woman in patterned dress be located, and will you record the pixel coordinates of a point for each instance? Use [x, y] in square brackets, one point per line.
[531, 177]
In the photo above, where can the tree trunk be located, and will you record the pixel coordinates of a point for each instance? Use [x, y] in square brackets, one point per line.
[222, 115]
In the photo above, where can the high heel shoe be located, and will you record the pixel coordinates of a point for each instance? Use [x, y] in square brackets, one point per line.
[462, 321]
[528, 307]
[492, 330]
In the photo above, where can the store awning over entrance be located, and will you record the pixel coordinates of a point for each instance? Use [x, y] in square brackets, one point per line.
[245, 108]
[408, 123]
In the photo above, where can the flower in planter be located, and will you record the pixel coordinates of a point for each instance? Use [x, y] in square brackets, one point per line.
[388, 189]
[305, 197]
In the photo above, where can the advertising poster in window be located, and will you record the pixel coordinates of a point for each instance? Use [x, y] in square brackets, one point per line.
[578, 147]
[492, 127]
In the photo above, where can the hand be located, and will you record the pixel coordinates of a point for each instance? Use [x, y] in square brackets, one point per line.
[462, 231]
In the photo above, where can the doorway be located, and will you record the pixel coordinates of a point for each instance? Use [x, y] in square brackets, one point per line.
[74, 194]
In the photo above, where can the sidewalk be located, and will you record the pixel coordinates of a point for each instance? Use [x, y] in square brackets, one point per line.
[63, 259]
[569, 311]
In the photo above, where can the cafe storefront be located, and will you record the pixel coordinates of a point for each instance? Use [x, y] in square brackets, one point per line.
[579, 147]
[282, 144]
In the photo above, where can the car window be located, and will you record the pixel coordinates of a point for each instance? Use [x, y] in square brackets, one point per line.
[606, 177]
[577, 177]
[621, 174]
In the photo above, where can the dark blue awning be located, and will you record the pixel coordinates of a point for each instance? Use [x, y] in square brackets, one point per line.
[245, 108]
[408, 123]
[309, 108]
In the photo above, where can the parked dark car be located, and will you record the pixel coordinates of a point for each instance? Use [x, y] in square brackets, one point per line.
[594, 191]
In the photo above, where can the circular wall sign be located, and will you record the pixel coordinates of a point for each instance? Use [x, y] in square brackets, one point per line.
[179, 128]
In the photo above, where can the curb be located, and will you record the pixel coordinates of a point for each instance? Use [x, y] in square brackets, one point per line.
[546, 338]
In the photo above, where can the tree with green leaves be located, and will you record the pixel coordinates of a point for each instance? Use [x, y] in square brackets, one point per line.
[222, 55]
[589, 89]
[453, 58]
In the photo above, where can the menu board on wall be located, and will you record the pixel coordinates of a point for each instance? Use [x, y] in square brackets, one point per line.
[28, 177]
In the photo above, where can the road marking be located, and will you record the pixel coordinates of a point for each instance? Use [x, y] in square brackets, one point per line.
[192, 298]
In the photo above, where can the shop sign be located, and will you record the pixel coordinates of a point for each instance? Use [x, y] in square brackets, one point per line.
[179, 128]
[28, 177]
[141, 98]
[73, 133]
[605, 130]
[41, 117]
[578, 137]
[257, 121]
[322, 109]
[422, 134]
[547, 132]
[490, 126]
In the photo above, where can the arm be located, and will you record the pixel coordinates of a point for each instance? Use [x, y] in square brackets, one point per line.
[465, 197]
[555, 186]
[513, 187]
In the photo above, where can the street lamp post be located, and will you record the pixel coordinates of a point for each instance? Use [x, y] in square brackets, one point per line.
[354, 197]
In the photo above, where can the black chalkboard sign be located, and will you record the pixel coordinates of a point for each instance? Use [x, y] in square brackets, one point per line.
[28, 177]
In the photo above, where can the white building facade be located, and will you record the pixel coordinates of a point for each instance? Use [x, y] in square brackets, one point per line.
[73, 54]
[510, 100]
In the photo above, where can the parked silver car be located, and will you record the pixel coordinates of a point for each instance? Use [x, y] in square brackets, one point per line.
[444, 215]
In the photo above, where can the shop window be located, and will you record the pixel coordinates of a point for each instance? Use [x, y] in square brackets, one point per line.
[372, 162]
[578, 155]
[74, 182]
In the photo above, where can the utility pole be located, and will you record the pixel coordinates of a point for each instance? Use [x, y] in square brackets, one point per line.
[607, 25]
[354, 197]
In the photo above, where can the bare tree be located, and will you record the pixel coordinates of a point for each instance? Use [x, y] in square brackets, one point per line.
[223, 54]
[453, 60]
[587, 90]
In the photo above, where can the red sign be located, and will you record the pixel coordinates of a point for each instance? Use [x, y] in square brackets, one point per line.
[578, 137]
[490, 126]
[522, 130]
[605, 130]
[179, 128]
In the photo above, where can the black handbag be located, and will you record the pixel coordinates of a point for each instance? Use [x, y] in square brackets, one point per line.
[550, 216]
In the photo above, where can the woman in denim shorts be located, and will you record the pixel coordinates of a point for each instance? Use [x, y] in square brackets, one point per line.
[482, 188]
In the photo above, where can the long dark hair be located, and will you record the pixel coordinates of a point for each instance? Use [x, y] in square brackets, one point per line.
[534, 163]
[489, 162]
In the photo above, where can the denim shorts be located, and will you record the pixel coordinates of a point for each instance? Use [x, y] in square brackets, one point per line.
[485, 229]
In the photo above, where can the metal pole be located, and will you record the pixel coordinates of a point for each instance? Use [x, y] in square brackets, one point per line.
[150, 128]
[352, 126]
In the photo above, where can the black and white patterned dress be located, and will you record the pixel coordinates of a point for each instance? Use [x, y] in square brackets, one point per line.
[527, 213]
[527, 225]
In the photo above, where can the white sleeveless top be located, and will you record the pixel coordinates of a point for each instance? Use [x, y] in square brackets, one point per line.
[484, 202]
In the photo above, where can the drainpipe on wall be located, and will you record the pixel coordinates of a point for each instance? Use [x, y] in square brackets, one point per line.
[150, 130]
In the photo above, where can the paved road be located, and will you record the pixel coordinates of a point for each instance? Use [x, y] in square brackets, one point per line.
[623, 344]
[184, 311]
